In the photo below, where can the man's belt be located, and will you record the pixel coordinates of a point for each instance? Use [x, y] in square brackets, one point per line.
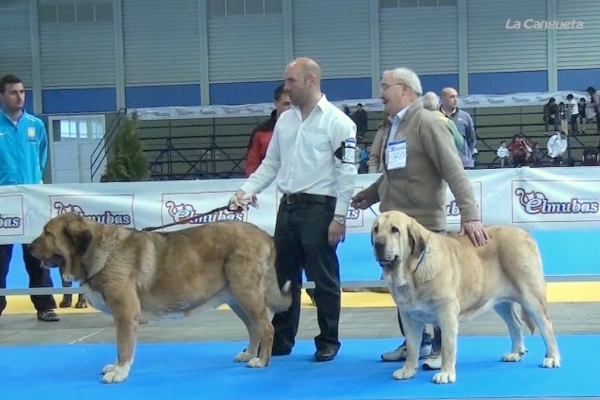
[297, 198]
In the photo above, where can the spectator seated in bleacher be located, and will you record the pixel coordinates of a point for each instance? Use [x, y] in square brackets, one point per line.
[551, 115]
[590, 157]
[521, 150]
[536, 155]
[557, 147]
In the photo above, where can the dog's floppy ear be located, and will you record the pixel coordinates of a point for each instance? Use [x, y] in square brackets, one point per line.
[79, 235]
[416, 240]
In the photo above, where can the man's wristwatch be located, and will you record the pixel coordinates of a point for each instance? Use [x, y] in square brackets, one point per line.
[340, 219]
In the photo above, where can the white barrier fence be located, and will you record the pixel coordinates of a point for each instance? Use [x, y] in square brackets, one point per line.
[264, 109]
[541, 198]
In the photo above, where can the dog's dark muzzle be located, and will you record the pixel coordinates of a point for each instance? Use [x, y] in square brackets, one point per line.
[380, 251]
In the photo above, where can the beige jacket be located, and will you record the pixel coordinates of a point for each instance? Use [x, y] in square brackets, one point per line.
[375, 162]
[432, 164]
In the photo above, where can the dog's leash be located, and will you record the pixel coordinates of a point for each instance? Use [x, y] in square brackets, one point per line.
[193, 217]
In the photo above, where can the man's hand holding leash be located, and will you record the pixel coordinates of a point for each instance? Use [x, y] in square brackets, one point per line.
[242, 200]
[359, 201]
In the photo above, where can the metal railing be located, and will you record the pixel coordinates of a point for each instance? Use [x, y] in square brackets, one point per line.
[179, 155]
[176, 153]
[103, 148]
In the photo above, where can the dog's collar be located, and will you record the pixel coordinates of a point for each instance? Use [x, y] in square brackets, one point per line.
[421, 258]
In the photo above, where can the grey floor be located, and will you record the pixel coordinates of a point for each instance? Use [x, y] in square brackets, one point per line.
[568, 318]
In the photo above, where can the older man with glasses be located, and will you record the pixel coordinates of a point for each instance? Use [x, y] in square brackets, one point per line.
[420, 162]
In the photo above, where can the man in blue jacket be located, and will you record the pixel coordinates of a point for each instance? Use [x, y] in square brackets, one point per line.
[23, 154]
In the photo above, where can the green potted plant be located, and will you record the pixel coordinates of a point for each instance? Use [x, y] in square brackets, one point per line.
[128, 162]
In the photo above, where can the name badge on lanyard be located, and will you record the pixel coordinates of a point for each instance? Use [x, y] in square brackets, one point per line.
[396, 155]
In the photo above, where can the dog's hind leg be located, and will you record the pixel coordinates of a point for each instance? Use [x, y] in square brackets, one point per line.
[535, 305]
[253, 334]
[506, 311]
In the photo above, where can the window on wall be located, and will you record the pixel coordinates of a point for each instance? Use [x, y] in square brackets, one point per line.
[415, 3]
[80, 128]
[224, 8]
[64, 13]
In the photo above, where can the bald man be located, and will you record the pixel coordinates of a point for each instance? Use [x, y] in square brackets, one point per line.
[306, 160]
[463, 122]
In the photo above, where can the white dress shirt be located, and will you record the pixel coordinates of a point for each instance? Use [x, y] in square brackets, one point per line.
[393, 130]
[301, 156]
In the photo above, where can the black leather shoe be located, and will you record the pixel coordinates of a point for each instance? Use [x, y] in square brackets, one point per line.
[326, 354]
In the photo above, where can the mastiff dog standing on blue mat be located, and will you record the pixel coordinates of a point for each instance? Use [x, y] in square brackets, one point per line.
[129, 274]
[442, 279]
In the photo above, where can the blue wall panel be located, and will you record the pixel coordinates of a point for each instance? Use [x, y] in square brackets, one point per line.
[346, 89]
[104, 99]
[435, 83]
[64, 101]
[242, 92]
[162, 96]
[335, 89]
[508, 82]
[262, 92]
[28, 101]
[578, 79]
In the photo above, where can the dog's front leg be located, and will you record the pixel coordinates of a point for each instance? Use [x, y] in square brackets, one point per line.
[413, 332]
[126, 313]
[448, 322]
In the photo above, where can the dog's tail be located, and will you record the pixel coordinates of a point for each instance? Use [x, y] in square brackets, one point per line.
[278, 299]
[526, 317]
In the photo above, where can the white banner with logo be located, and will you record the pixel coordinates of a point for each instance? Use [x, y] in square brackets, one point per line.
[538, 198]
[370, 105]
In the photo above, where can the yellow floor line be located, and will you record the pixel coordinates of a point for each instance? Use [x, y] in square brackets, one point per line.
[558, 292]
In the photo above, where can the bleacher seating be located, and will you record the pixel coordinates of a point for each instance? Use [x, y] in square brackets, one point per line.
[215, 147]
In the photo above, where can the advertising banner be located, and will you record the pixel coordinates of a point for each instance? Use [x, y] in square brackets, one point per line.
[540, 198]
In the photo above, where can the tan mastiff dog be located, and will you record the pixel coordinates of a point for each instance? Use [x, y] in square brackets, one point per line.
[442, 280]
[128, 273]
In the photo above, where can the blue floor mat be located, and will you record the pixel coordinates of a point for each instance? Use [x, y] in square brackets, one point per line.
[207, 371]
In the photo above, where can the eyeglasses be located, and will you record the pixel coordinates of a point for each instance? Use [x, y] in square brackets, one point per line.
[385, 86]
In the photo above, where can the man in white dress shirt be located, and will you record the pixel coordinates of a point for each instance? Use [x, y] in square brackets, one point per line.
[306, 160]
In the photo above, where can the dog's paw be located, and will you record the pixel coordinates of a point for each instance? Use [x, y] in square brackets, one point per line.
[81, 304]
[404, 373]
[512, 357]
[551, 362]
[256, 363]
[66, 302]
[114, 373]
[444, 377]
[243, 357]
